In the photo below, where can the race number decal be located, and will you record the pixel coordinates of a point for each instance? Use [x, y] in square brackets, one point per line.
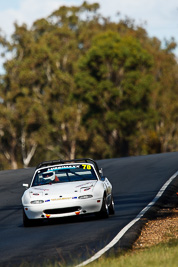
[85, 166]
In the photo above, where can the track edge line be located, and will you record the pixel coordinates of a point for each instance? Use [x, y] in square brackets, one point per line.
[129, 225]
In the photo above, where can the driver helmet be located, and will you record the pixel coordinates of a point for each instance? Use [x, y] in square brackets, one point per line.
[49, 175]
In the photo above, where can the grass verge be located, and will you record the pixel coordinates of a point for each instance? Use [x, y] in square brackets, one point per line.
[164, 254]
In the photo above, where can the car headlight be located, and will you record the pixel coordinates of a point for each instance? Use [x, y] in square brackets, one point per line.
[85, 196]
[37, 202]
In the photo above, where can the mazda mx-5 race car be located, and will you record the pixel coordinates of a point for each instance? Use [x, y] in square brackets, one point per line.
[67, 188]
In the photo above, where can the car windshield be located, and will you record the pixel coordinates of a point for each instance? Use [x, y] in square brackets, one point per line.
[63, 175]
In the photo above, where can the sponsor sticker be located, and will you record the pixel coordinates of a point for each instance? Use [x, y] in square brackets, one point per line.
[61, 198]
[63, 167]
[83, 185]
[41, 189]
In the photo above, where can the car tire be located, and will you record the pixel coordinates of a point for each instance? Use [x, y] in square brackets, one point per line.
[104, 212]
[111, 207]
[27, 222]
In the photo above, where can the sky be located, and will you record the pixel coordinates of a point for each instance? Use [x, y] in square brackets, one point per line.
[158, 17]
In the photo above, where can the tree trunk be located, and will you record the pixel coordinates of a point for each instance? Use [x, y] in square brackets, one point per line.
[73, 149]
[27, 156]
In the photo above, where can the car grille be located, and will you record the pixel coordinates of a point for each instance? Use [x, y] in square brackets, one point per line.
[63, 210]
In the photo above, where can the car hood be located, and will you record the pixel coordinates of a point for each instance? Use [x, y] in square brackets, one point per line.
[71, 189]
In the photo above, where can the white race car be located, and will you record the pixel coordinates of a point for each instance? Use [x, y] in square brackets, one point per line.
[67, 188]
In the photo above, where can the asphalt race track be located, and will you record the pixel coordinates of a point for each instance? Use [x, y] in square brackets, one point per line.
[136, 181]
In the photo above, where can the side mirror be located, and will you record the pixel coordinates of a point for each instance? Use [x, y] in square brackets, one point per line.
[101, 171]
[25, 185]
[103, 178]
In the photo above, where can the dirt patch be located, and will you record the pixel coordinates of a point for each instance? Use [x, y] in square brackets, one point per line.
[160, 229]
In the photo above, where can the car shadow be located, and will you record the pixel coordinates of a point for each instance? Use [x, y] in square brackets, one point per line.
[65, 220]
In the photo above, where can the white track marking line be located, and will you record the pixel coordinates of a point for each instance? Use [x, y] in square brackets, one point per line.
[129, 225]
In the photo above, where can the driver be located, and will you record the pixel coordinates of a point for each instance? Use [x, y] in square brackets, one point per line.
[50, 176]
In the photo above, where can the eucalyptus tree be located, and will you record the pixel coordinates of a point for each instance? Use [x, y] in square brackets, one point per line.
[38, 108]
[115, 81]
[22, 111]
[162, 136]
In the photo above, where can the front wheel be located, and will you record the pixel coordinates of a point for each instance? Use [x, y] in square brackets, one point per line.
[27, 222]
[111, 207]
[104, 212]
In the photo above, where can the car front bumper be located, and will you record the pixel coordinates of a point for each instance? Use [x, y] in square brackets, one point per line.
[63, 208]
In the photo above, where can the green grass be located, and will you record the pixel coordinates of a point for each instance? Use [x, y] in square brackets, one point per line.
[162, 255]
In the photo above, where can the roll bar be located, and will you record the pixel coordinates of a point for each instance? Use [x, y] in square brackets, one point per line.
[59, 161]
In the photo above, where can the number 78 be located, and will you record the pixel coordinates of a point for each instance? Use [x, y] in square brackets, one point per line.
[86, 166]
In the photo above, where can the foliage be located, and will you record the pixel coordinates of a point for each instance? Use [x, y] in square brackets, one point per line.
[78, 84]
[115, 84]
